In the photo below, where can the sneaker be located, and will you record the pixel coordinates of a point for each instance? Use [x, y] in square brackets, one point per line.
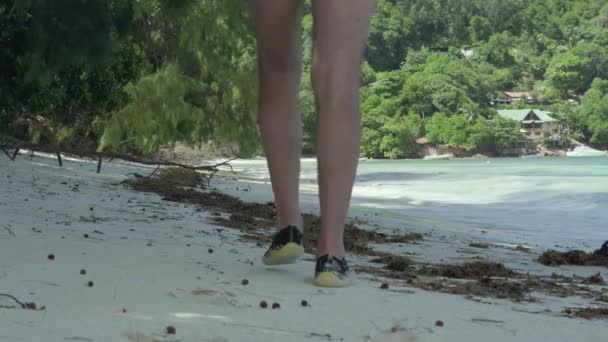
[286, 247]
[333, 272]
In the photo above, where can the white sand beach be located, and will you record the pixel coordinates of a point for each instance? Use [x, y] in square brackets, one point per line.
[156, 264]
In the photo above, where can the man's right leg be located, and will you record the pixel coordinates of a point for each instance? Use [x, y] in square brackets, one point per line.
[340, 34]
[277, 28]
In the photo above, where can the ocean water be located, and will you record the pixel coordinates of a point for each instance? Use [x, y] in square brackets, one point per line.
[542, 201]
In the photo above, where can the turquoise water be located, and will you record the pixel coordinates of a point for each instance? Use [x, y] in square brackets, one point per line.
[550, 200]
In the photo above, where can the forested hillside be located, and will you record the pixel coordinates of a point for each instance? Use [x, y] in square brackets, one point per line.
[557, 49]
[136, 75]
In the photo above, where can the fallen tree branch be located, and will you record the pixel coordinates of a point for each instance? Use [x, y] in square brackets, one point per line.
[7, 154]
[140, 160]
[6, 141]
[25, 306]
[13, 298]
[100, 158]
[153, 172]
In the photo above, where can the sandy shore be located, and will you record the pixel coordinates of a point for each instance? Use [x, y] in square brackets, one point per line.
[155, 264]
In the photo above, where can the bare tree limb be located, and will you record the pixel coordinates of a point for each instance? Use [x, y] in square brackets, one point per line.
[153, 172]
[59, 159]
[23, 306]
[26, 306]
[211, 176]
[6, 141]
[7, 154]
[227, 163]
[16, 152]
[99, 163]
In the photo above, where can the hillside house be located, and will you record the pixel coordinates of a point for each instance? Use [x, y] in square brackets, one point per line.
[535, 124]
[509, 97]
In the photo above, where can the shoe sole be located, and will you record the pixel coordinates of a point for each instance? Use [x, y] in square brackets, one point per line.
[330, 279]
[288, 254]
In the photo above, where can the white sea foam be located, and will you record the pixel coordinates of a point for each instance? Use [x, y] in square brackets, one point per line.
[555, 199]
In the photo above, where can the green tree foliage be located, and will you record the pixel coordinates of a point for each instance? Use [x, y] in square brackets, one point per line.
[594, 112]
[554, 48]
[139, 74]
[205, 87]
[66, 60]
[481, 28]
[391, 35]
[386, 132]
[116, 64]
[497, 50]
[484, 135]
[568, 73]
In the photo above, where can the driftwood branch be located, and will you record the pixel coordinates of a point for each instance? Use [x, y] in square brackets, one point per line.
[153, 172]
[8, 142]
[143, 161]
[25, 306]
[99, 160]
[7, 154]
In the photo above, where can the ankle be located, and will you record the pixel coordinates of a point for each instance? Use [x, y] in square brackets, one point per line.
[298, 223]
[332, 251]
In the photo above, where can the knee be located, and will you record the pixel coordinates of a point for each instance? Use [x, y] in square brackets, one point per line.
[276, 60]
[335, 80]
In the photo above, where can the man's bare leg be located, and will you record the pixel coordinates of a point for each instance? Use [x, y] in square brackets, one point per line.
[277, 27]
[341, 29]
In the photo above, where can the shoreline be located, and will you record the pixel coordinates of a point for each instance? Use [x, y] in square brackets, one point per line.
[128, 273]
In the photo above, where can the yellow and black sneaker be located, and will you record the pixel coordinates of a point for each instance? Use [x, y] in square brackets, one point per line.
[286, 247]
[333, 272]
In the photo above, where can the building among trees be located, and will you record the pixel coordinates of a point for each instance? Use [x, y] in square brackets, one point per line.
[509, 97]
[535, 124]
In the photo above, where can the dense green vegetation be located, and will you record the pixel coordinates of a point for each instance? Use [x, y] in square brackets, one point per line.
[137, 75]
[418, 71]
[130, 75]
